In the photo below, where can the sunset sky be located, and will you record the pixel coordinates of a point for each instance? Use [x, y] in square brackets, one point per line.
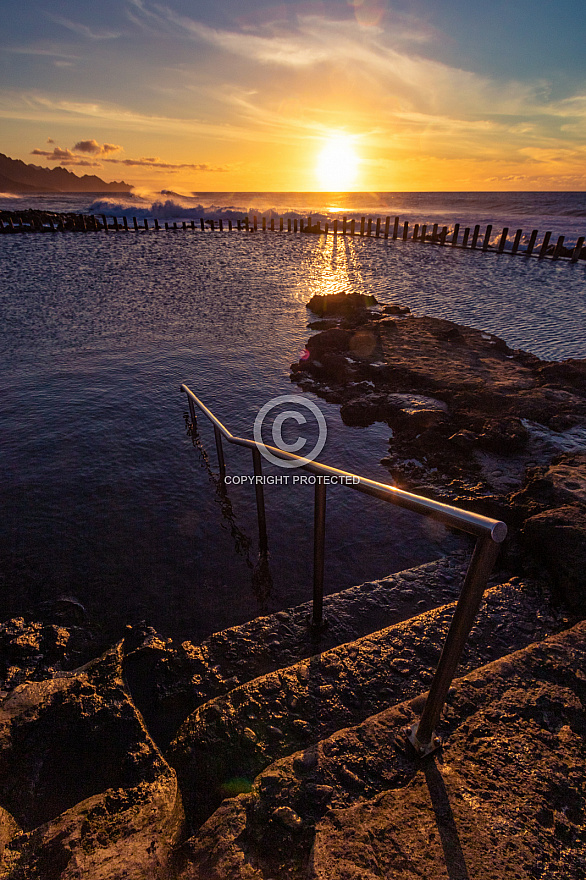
[245, 95]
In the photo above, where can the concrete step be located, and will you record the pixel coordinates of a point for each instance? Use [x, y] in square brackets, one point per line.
[229, 740]
[503, 798]
[168, 681]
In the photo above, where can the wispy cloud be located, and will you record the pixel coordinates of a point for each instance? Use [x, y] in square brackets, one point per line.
[156, 162]
[84, 30]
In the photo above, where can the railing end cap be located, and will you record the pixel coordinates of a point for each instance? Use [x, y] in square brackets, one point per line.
[499, 532]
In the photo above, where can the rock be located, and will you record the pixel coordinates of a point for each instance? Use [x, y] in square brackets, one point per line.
[506, 436]
[557, 540]
[83, 779]
[343, 303]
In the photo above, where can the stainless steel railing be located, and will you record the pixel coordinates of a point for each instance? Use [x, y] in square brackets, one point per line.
[489, 534]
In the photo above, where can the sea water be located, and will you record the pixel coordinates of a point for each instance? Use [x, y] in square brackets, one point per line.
[104, 496]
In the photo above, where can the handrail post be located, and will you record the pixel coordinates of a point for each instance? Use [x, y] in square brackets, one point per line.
[260, 503]
[422, 735]
[319, 535]
[220, 452]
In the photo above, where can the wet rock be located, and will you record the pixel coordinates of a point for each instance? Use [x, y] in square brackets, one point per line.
[83, 779]
[347, 304]
[556, 538]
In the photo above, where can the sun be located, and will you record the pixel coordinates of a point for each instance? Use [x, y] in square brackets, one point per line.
[337, 164]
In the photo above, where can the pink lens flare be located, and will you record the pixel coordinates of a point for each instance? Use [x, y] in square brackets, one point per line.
[304, 355]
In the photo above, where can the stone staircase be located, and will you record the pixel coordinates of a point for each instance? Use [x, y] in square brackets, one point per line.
[268, 751]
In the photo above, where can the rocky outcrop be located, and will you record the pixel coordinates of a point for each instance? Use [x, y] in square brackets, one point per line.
[503, 799]
[85, 790]
[473, 423]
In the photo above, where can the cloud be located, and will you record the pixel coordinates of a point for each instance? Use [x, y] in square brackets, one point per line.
[64, 156]
[83, 29]
[95, 148]
[155, 162]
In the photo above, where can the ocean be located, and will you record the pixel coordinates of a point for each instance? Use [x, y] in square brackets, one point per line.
[104, 496]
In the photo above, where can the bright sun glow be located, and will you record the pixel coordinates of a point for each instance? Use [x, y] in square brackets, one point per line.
[337, 164]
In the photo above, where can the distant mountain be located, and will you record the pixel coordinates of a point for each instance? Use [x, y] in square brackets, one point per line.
[18, 177]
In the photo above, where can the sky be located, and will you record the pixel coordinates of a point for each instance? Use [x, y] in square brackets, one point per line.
[303, 95]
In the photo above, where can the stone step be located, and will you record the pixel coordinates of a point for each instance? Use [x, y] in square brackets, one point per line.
[168, 681]
[229, 740]
[503, 798]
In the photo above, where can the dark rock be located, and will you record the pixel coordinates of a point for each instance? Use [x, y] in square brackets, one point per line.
[77, 764]
[557, 539]
[506, 436]
[340, 303]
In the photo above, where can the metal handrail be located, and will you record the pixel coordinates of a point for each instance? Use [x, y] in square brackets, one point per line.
[490, 534]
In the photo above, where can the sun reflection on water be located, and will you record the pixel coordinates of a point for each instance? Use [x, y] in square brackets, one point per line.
[333, 266]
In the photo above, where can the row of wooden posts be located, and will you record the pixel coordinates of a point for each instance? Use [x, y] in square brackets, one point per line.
[471, 238]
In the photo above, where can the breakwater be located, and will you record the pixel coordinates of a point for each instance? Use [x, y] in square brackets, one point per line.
[517, 243]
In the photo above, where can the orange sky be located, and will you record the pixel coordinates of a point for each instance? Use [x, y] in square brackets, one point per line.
[243, 97]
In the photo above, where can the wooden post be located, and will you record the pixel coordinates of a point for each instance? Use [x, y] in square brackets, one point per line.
[387, 222]
[405, 230]
[202, 224]
[317, 227]
[558, 248]
[264, 224]
[83, 224]
[300, 224]
[229, 226]
[475, 235]
[517, 240]
[531, 244]
[246, 222]
[415, 231]
[20, 226]
[378, 227]
[157, 225]
[335, 225]
[135, 224]
[423, 232]
[193, 225]
[396, 229]
[455, 235]
[221, 224]
[369, 230]
[577, 250]
[212, 227]
[362, 219]
[280, 224]
[288, 224]
[254, 223]
[146, 223]
[326, 229]
[434, 232]
[124, 220]
[544, 245]
[486, 237]
[344, 225]
[443, 235]
[174, 226]
[50, 221]
[239, 223]
[184, 225]
[104, 220]
[295, 225]
[116, 227]
[166, 225]
[353, 226]
[503, 240]
[272, 224]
